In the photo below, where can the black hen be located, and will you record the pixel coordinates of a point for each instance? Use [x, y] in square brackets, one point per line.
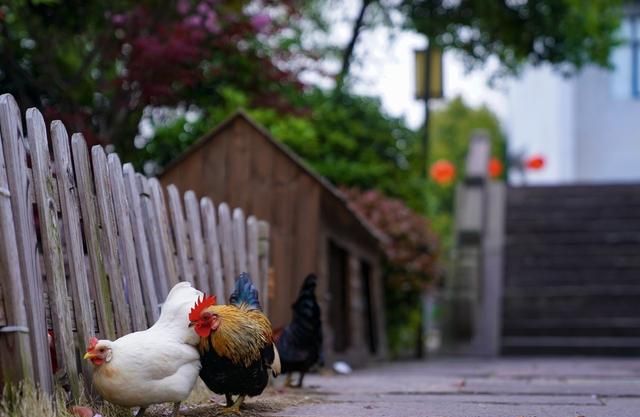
[300, 343]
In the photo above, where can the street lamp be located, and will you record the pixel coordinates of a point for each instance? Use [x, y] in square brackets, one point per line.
[428, 66]
[428, 85]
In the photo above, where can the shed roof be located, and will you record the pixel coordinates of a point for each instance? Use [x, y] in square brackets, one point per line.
[331, 190]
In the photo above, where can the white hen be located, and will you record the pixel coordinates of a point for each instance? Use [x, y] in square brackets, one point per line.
[157, 365]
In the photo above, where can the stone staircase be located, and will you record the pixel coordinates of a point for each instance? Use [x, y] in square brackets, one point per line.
[572, 270]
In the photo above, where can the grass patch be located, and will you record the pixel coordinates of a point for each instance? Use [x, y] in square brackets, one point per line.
[25, 400]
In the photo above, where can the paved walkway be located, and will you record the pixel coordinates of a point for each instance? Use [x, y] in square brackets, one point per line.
[478, 388]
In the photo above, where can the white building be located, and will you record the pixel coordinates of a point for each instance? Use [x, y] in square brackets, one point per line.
[587, 127]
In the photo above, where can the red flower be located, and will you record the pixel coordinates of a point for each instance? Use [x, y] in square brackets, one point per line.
[535, 162]
[495, 167]
[443, 172]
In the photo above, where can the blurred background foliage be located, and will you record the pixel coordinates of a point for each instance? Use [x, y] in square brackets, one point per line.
[147, 78]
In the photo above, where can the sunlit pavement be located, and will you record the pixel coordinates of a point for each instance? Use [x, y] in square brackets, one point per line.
[477, 388]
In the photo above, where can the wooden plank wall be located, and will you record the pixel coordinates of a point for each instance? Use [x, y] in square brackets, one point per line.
[110, 247]
[244, 168]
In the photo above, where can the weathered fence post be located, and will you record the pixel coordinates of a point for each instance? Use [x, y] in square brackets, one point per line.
[197, 243]
[226, 238]
[161, 224]
[45, 190]
[213, 248]
[21, 189]
[126, 246]
[92, 232]
[142, 249]
[263, 262]
[179, 232]
[110, 240]
[252, 253]
[15, 350]
[73, 237]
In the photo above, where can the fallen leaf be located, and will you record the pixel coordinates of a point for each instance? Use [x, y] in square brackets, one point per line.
[79, 411]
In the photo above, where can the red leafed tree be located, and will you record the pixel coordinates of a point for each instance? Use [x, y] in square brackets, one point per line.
[98, 65]
[412, 248]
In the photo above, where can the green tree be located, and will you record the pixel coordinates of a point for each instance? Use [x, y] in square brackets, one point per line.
[568, 34]
[450, 130]
[97, 65]
[347, 138]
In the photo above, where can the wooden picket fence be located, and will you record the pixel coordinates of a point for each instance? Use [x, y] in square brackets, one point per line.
[90, 247]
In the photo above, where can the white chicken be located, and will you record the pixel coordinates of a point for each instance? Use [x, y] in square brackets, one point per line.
[157, 365]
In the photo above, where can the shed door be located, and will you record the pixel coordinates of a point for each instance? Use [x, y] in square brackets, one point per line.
[369, 319]
[339, 301]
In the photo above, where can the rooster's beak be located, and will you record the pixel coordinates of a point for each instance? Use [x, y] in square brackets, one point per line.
[192, 323]
[88, 355]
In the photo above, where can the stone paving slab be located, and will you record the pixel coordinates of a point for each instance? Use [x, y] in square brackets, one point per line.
[478, 388]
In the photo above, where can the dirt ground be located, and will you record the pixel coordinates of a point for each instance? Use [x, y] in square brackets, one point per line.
[511, 387]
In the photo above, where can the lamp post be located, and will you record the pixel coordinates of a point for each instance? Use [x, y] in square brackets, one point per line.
[428, 85]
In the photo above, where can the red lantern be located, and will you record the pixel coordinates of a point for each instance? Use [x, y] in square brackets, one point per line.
[495, 167]
[443, 172]
[535, 162]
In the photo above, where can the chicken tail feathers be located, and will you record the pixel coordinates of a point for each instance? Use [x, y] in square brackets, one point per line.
[245, 292]
[276, 366]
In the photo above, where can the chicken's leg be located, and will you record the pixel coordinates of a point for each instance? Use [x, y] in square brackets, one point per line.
[176, 409]
[229, 399]
[141, 411]
[299, 384]
[235, 408]
[287, 381]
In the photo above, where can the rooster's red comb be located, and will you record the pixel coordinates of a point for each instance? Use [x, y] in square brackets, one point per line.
[92, 344]
[201, 304]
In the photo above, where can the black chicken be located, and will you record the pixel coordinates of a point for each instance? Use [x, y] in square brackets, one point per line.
[300, 343]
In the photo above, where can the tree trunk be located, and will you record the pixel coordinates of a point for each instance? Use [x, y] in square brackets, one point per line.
[348, 52]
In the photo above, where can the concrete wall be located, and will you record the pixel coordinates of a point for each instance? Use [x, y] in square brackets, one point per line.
[541, 121]
[607, 130]
[587, 127]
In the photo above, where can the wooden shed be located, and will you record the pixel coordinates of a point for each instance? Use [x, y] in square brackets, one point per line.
[313, 229]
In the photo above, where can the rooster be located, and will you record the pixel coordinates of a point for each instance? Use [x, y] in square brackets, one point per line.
[236, 344]
[300, 343]
[157, 365]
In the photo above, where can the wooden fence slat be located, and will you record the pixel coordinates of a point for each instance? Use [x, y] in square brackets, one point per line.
[15, 348]
[73, 236]
[263, 260]
[226, 242]
[179, 232]
[213, 248]
[156, 246]
[21, 189]
[160, 216]
[45, 188]
[252, 253]
[92, 233]
[240, 241]
[194, 226]
[142, 249]
[110, 241]
[127, 248]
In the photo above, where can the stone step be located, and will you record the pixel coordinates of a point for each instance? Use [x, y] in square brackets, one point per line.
[616, 346]
[594, 226]
[608, 237]
[540, 277]
[572, 306]
[521, 261]
[574, 327]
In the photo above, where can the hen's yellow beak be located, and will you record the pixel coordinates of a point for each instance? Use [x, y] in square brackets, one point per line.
[88, 355]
